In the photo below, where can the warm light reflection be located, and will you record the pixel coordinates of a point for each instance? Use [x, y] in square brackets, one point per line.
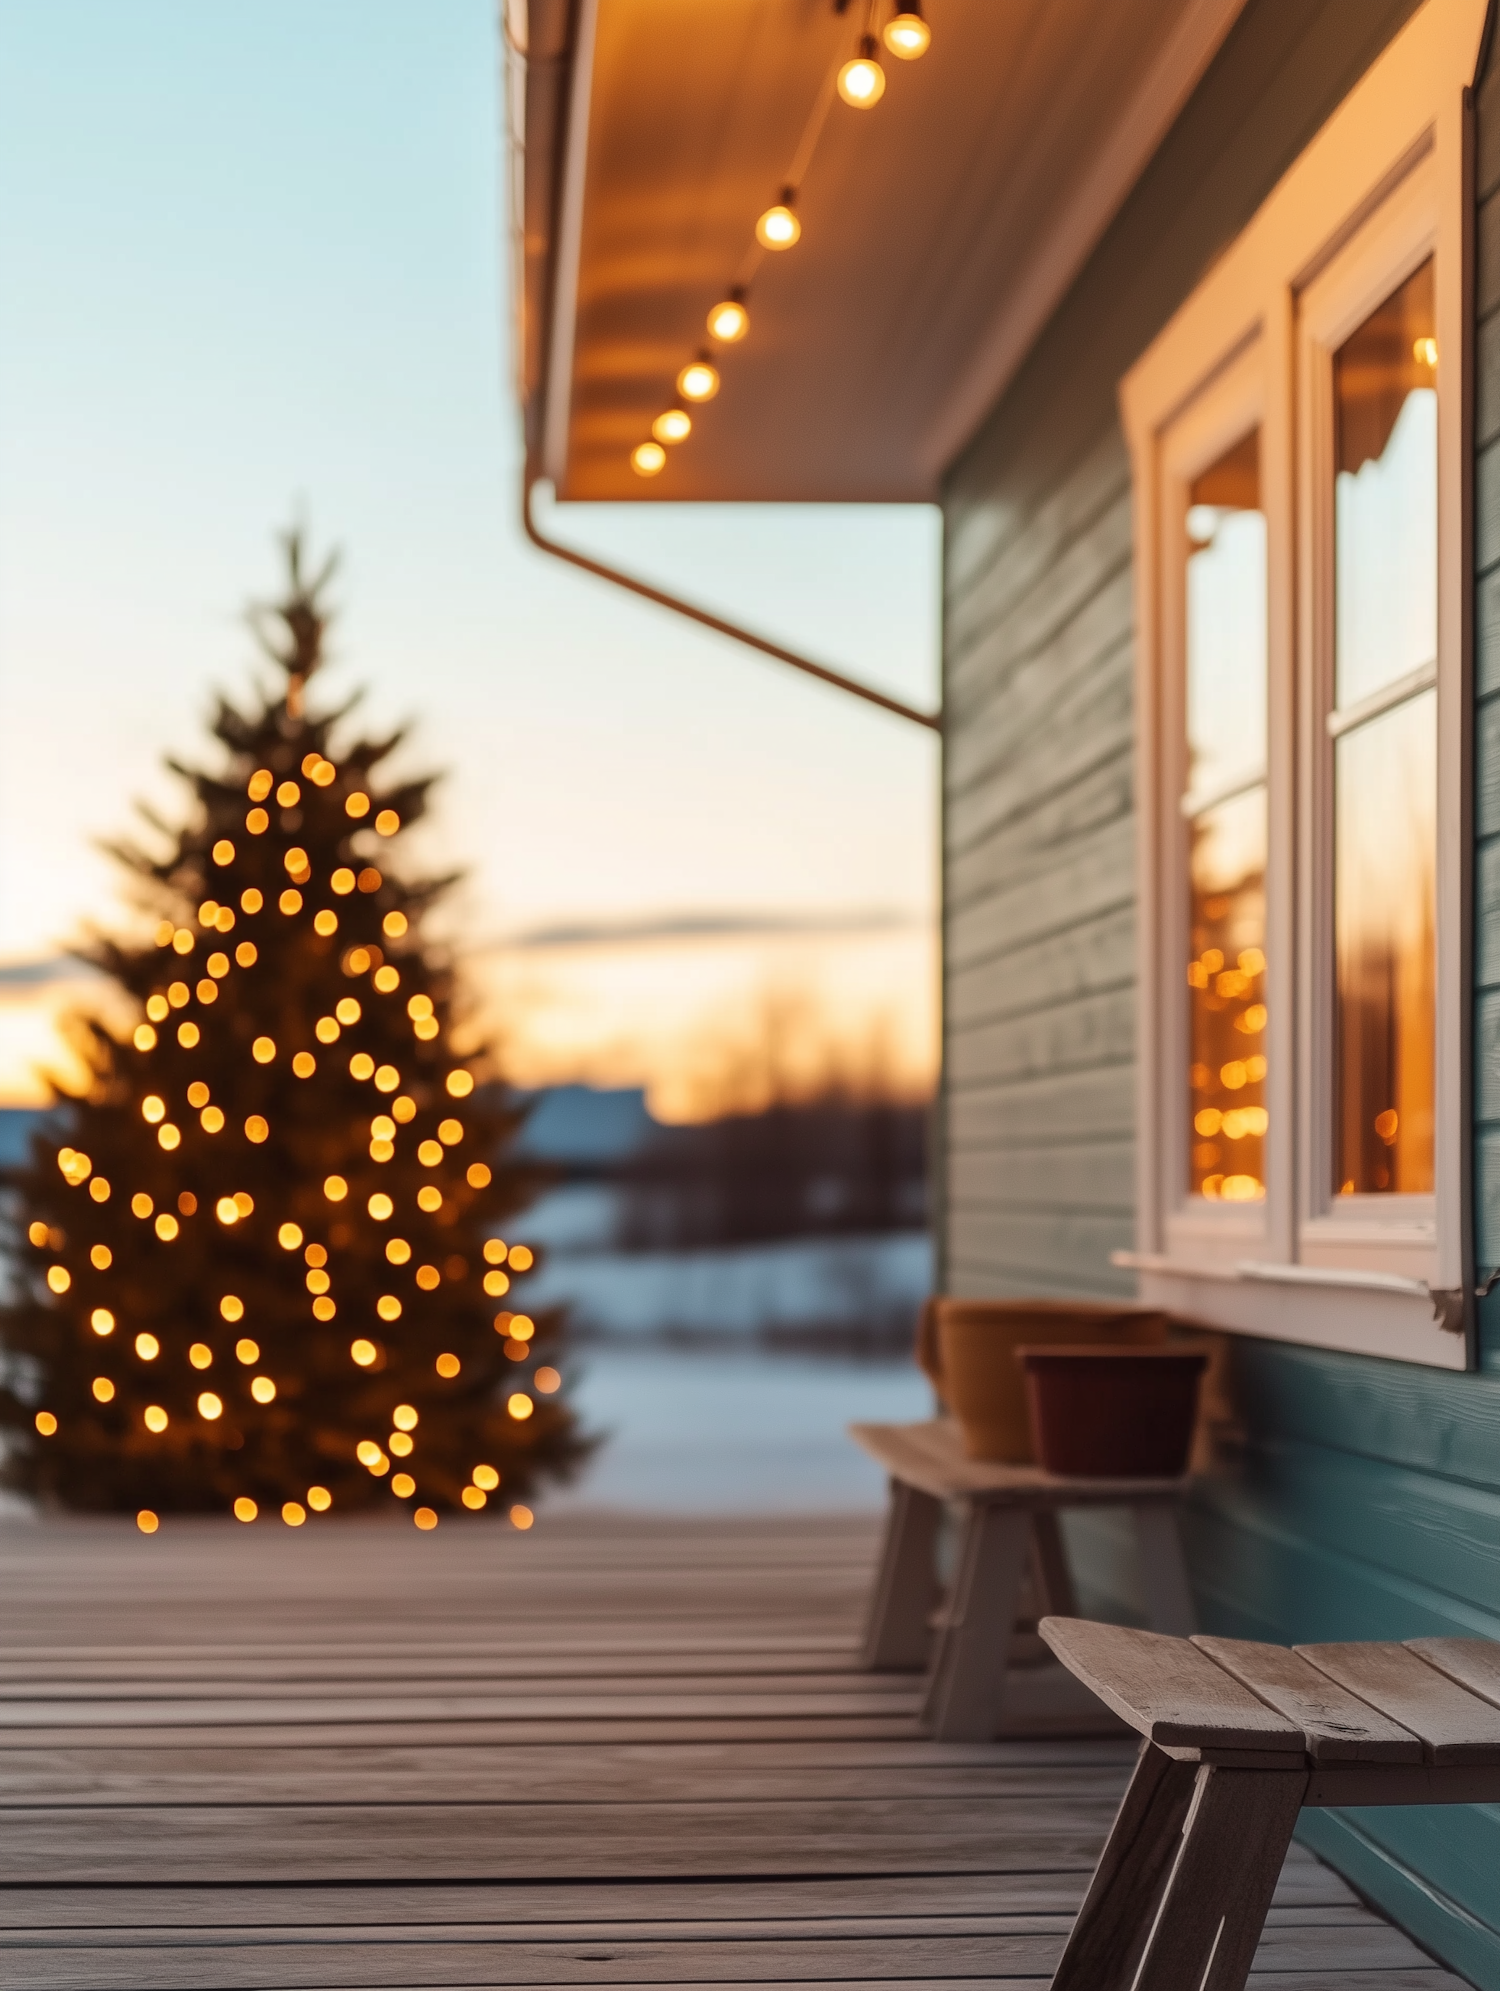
[1385, 759]
[1225, 668]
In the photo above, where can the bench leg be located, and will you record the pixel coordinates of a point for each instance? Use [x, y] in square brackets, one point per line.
[966, 1685]
[1164, 1577]
[1210, 1919]
[1107, 1939]
[1054, 1580]
[897, 1634]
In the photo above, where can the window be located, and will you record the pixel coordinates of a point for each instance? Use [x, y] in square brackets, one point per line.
[1298, 453]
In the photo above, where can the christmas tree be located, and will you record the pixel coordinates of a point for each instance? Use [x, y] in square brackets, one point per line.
[263, 1259]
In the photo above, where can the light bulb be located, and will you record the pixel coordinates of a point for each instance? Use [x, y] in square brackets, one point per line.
[778, 227]
[907, 35]
[698, 381]
[728, 321]
[674, 426]
[647, 458]
[862, 81]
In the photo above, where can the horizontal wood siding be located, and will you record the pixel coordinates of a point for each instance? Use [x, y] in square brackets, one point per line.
[1367, 1501]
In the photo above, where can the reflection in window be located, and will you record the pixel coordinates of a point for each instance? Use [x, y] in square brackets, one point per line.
[1225, 808]
[1384, 727]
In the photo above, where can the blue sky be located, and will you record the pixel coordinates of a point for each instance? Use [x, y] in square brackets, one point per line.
[254, 270]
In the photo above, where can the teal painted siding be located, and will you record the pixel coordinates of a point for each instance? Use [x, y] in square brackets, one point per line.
[1367, 1501]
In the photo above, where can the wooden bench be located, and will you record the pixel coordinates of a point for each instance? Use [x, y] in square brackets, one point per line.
[1237, 1738]
[1008, 1519]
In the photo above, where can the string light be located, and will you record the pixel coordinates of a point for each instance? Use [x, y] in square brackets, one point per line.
[698, 380]
[862, 80]
[147, 1522]
[779, 228]
[46, 1423]
[647, 458]
[674, 425]
[245, 1508]
[907, 35]
[729, 321]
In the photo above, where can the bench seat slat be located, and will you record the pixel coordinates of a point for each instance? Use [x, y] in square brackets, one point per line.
[1167, 1689]
[1336, 1725]
[1473, 1662]
[930, 1457]
[1454, 1725]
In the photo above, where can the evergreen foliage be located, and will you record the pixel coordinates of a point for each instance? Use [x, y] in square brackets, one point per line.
[266, 1240]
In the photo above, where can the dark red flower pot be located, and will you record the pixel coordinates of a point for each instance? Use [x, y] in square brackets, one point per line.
[1112, 1412]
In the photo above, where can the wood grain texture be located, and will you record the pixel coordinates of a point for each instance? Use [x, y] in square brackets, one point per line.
[1336, 1725]
[410, 1836]
[1453, 1725]
[1167, 1689]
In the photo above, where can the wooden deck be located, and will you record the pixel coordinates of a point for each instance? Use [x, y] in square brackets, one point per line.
[606, 1752]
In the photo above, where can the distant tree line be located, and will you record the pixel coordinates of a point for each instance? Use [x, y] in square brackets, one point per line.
[824, 1167]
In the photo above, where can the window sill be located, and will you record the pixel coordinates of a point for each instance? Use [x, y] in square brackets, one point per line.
[1358, 1312]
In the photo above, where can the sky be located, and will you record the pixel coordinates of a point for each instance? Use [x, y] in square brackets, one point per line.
[254, 275]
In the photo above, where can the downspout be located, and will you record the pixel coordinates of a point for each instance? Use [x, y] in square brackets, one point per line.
[717, 623]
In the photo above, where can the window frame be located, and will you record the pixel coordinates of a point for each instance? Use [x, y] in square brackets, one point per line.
[1385, 183]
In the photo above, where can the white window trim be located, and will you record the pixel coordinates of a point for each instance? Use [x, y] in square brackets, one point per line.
[1390, 1280]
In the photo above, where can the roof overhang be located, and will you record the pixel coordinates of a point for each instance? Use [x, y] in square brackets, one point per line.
[940, 229]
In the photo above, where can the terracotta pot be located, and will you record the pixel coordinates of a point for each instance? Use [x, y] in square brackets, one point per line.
[975, 1372]
[1111, 1412]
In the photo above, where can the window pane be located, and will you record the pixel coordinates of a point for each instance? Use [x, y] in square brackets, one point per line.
[1385, 503]
[1385, 870]
[1227, 1003]
[1226, 622]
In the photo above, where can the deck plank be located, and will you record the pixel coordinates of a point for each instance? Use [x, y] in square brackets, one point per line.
[608, 1752]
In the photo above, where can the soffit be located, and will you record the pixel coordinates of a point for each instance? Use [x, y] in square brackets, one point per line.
[939, 229]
